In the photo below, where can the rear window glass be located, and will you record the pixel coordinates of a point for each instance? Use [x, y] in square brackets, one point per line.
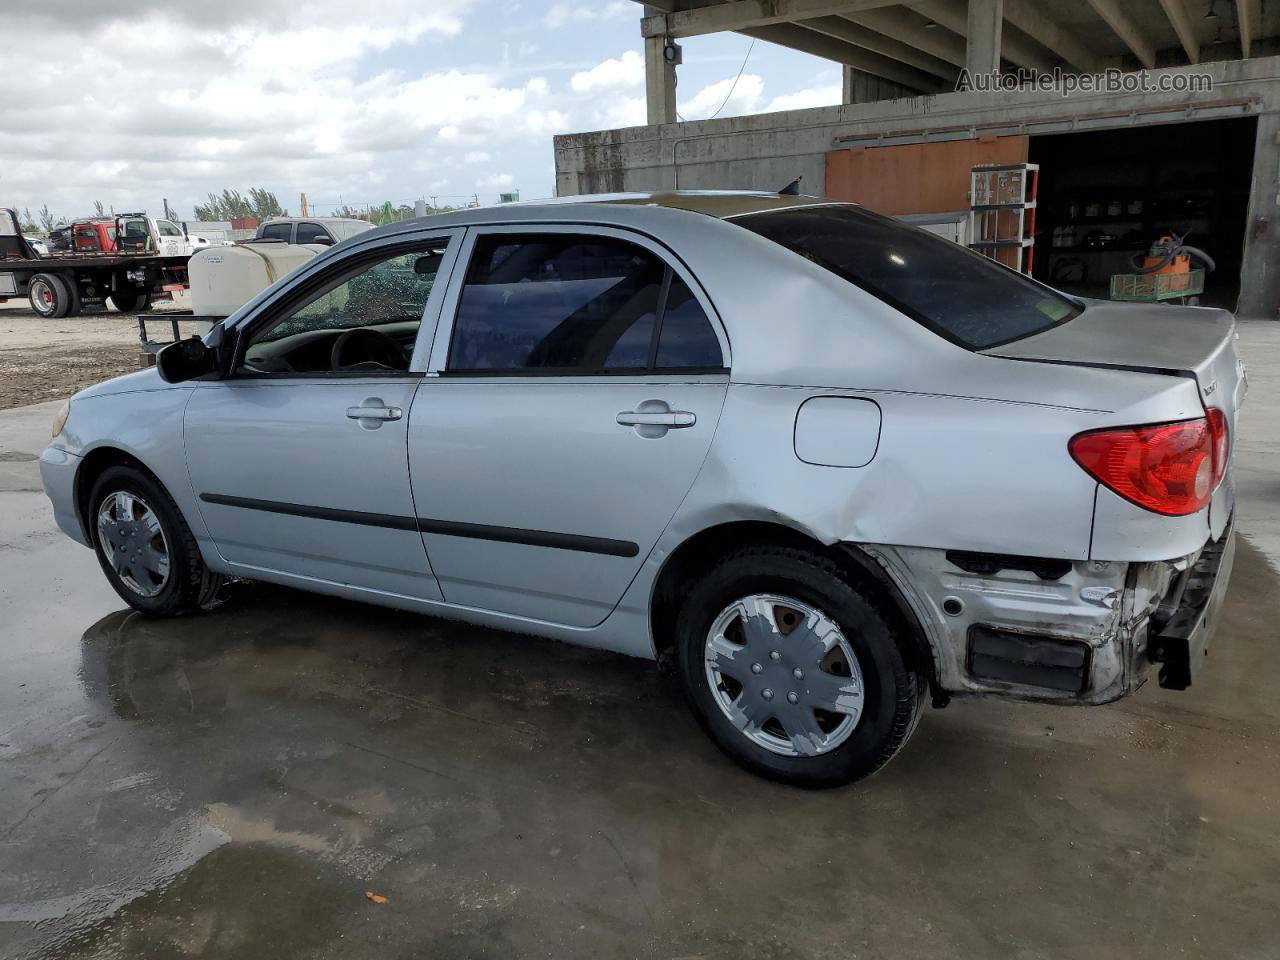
[960, 295]
[344, 230]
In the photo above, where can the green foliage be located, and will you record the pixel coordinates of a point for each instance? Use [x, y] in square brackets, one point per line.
[387, 213]
[27, 223]
[46, 219]
[232, 205]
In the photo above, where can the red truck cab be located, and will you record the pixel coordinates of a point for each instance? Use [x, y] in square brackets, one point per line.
[94, 236]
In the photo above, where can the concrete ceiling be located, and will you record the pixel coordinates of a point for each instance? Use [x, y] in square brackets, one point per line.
[921, 44]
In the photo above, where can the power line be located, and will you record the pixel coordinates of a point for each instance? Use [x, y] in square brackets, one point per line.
[735, 80]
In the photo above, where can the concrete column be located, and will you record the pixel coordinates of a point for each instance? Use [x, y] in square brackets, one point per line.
[659, 81]
[1260, 272]
[982, 47]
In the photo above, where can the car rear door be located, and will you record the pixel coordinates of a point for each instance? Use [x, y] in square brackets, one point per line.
[575, 385]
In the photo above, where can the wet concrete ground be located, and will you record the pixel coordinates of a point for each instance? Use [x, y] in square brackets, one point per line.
[234, 785]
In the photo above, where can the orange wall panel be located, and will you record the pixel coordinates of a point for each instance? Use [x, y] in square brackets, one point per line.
[916, 177]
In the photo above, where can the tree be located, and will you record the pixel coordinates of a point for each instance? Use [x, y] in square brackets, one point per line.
[388, 212]
[232, 205]
[46, 219]
[99, 209]
[26, 223]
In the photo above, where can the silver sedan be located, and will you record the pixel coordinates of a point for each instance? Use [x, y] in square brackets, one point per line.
[822, 464]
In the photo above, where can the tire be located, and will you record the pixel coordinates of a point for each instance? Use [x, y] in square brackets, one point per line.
[797, 597]
[52, 297]
[130, 513]
[130, 300]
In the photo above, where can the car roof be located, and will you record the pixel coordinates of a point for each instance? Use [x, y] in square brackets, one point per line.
[644, 211]
[716, 203]
[314, 220]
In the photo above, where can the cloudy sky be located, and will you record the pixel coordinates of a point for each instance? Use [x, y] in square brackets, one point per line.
[350, 102]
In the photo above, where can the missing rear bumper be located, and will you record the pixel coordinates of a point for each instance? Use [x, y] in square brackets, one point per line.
[1029, 660]
[1182, 643]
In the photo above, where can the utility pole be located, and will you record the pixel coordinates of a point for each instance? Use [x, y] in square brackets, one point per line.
[304, 205]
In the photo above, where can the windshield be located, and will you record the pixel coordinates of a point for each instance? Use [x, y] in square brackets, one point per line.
[960, 295]
[344, 230]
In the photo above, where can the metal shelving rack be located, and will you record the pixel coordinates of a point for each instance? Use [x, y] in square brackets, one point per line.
[1002, 212]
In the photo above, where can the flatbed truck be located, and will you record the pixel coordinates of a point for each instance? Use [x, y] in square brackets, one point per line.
[62, 283]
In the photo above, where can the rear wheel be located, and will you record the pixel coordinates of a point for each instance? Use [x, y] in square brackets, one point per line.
[794, 671]
[145, 547]
[52, 297]
[130, 300]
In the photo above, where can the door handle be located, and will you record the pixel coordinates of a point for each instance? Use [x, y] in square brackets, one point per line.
[372, 413]
[672, 419]
[653, 418]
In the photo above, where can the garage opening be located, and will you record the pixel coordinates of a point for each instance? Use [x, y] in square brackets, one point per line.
[1106, 196]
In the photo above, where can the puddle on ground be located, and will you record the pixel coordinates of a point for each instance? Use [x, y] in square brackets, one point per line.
[241, 900]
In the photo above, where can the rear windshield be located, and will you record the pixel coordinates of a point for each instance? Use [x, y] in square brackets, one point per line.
[960, 295]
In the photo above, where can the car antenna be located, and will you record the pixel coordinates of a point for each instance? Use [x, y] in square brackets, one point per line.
[792, 189]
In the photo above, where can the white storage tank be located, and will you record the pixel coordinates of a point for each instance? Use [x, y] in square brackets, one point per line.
[224, 279]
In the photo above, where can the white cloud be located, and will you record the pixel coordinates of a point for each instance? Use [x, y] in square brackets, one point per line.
[497, 181]
[302, 97]
[730, 98]
[803, 99]
[563, 13]
[624, 71]
[283, 98]
[625, 112]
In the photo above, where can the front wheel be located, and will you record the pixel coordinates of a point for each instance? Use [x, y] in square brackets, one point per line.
[145, 547]
[795, 671]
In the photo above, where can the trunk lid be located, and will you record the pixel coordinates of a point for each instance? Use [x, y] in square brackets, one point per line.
[1153, 338]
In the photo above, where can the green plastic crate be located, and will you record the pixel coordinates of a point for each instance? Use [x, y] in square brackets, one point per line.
[1150, 287]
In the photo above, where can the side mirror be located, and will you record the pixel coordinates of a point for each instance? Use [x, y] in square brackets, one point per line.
[186, 360]
[323, 241]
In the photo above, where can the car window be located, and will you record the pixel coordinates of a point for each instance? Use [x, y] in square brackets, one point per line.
[963, 296]
[312, 233]
[384, 298]
[277, 231]
[168, 228]
[687, 339]
[560, 303]
[345, 229]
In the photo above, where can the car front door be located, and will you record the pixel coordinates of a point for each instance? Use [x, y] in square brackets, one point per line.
[170, 240]
[579, 384]
[309, 232]
[298, 458]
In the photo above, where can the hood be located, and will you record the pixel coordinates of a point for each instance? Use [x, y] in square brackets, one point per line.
[147, 378]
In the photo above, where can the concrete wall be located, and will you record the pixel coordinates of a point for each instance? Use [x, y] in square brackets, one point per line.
[766, 151]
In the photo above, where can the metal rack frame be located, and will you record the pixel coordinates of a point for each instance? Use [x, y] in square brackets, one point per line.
[985, 226]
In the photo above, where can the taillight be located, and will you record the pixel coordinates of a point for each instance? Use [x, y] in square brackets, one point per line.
[1168, 468]
[1218, 431]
